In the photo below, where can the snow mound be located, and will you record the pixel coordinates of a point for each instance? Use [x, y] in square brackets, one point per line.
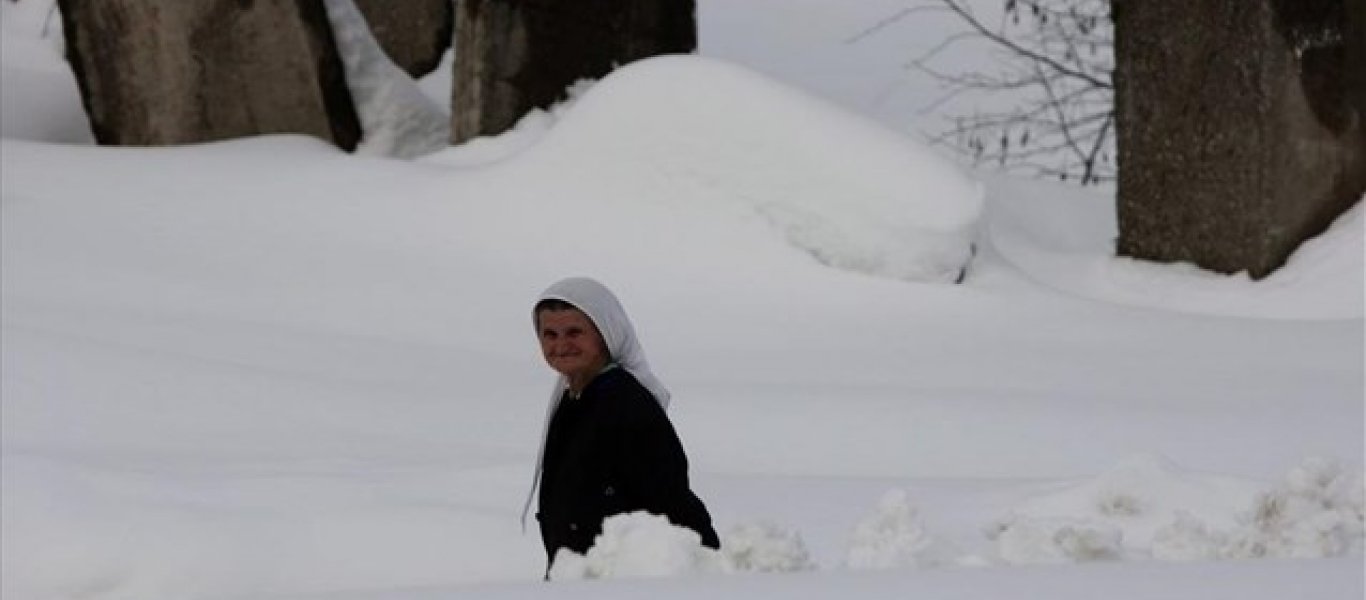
[851, 193]
[894, 536]
[639, 544]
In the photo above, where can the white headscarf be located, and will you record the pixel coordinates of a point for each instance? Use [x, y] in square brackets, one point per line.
[623, 349]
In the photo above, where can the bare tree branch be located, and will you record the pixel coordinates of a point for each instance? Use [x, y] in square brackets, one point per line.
[1010, 44]
[1056, 59]
[889, 21]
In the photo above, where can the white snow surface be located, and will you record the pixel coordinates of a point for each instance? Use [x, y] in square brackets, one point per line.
[268, 369]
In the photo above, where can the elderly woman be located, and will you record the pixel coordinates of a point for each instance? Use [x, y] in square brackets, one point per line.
[608, 447]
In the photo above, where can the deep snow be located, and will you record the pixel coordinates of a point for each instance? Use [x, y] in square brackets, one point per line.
[264, 368]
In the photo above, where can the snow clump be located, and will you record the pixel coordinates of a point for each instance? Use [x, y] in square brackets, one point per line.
[1316, 513]
[894, 536]
[639, 544]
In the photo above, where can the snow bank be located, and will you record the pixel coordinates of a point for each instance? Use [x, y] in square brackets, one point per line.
[1064, 237]
[1145, 507]
[849, 192]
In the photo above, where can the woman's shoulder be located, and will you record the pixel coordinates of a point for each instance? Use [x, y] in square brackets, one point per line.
[618, 388]
[617, 380]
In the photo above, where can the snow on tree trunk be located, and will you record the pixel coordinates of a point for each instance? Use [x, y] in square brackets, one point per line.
[1242, 128]
[515, 55]
[415, 34]
[397, 118]
[158, 72]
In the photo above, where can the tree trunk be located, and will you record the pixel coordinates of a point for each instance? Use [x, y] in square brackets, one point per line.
[414, 33]
[515, 55]
[158, 72]
[1241, 124]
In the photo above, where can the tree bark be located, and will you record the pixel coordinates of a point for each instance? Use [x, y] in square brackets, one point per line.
[515, 55]
[159, 72]
[414, 33]
[1241, 124]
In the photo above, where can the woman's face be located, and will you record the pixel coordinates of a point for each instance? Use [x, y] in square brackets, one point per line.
[571, 344]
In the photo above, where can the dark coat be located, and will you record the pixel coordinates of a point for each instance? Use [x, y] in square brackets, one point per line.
[613, 450]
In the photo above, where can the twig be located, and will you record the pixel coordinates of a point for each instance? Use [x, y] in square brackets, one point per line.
[887, 22]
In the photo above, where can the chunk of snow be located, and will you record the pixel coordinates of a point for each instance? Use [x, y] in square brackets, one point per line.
[894, 536]
[1317, 512]
[639, 544]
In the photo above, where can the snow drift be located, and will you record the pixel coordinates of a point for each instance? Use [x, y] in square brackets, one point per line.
[853, 194]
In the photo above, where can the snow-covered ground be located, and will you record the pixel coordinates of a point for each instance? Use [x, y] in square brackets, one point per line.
[267, 369]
